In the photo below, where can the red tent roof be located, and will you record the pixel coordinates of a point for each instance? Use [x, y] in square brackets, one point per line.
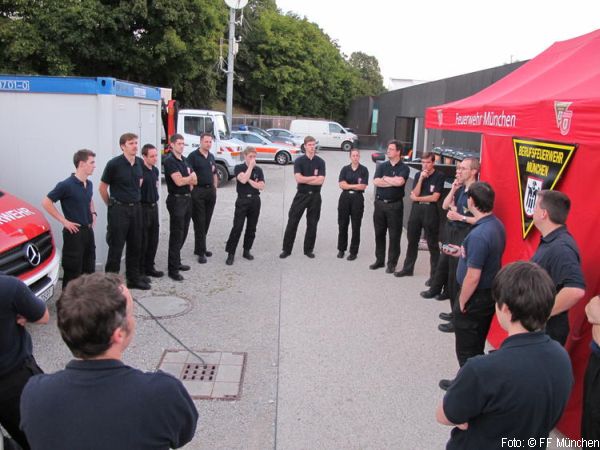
[554, 95]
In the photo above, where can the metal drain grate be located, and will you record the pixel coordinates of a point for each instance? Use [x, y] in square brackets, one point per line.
[220, 378]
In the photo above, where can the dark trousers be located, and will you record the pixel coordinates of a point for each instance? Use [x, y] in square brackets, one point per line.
[247, 209]
[351, 207]
[150, 229]
[558, 328]
[203, 205]
[387, 217]
[472, 326]
[422, 217]
[124, 227]
[11, 387]
[445, 272]
[180, 213]
[590, 420]
[78, 253]
[311, 202]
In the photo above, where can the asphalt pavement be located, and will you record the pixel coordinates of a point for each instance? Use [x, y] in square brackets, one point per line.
[338, 356]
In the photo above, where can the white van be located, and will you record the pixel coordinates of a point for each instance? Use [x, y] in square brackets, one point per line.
[329, 134]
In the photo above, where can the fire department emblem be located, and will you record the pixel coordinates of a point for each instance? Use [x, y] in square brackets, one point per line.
[563, 116]
[531, 189]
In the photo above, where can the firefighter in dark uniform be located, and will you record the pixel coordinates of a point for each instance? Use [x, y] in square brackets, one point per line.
[390, 178]
[558, 254]
[250, 181]
[353, 181]
[204, 194]
[150, 223]
[123, 174]
[78, 218]
[427, 189]
[309, 171]
[180, 179]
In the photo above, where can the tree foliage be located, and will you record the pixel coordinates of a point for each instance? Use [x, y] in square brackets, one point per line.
[288, 60]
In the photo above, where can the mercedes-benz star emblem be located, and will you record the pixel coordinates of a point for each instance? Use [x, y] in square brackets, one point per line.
[33, 254]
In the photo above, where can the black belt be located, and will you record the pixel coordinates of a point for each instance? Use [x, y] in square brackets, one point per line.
[352, 191]
[205, 186]
[248, 195]
[425, 203]
[181, 195]
[308, 192]
[386, 200]
[114, 201]
[149, 205]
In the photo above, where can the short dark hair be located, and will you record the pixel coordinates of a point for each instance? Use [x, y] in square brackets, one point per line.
[175, 138]
[428, 155]
[557, 204]
[82, 156]
[89, 310]
[527, 290]
[203, 135]
[354, 149]
[483, 196]
[308, 139]
[396, 144]
[127, 137]
[146, 148]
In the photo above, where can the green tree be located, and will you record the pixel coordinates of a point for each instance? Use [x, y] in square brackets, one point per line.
[370, 81]
[170, 43]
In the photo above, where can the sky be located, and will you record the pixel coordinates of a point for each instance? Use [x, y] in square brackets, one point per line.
[433, 39]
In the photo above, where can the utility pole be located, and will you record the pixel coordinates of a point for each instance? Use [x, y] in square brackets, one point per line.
[260, 116]
[234, 5]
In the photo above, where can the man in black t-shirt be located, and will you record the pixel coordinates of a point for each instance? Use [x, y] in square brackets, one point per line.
[353, 181]
[559, 256]
[309, 171]
[390, 178]
[204, 194]
[427, 189]
[180, 179]
[250, 181]
[150, 224]
[18, 306]
[518, 393]
[78, 217]
[123, 174]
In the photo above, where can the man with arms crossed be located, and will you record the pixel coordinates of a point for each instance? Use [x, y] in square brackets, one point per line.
[517, 393]
[590, 420]
[97, 402]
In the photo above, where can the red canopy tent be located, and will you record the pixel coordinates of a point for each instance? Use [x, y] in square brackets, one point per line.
[555, 98]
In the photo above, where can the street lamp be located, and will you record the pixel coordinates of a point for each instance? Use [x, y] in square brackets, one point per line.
[260, 114]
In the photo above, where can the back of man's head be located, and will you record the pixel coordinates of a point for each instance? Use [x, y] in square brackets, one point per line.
[483, 196]
[528, 291]
[89, 310]
[556, 204]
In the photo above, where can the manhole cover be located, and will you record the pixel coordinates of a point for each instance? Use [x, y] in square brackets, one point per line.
[162, 307]
[220, 377]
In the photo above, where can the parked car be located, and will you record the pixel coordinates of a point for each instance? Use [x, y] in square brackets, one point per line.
[27, 249]
[283, 133]
[329, 134]
[266, 150]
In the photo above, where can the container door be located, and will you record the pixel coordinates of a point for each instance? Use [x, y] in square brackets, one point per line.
[148, 131]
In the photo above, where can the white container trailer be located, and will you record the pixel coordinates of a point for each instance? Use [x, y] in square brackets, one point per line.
[44, 120]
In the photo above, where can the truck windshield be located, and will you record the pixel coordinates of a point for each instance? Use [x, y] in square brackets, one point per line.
[222, 127]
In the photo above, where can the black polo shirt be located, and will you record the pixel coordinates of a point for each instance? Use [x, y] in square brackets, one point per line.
[309, 168]
[386, 169]
[517, 392]
[124, 178]
[460, 201]
[482, 249]
[358, 176]
[172, 165]
[432, 184]
[75, 199]
[245, 188]
[203, 166]
[105, 404]
[15, 341]
[149, 184]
